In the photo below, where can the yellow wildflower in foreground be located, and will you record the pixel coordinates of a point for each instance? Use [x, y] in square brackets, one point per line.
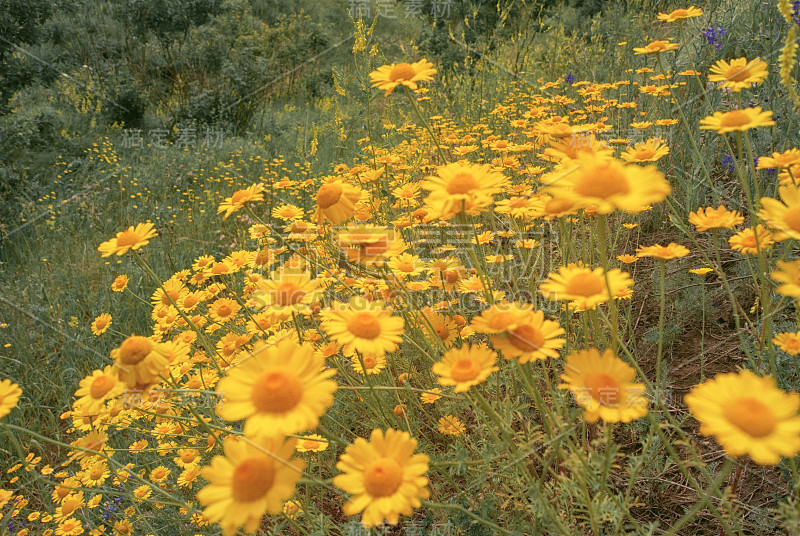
[608, 184]
[748, 414]
[680, 14]
[737, 120]
[602, 384]
[389, 77]
[465, 367]
[253, 478]
[384, 476]
[670, 251]
[739, 73]
[239, 198]
[715, 218]
[9, 396]
[281, 390]
[132, 239]
[587, 286]
[362, 327]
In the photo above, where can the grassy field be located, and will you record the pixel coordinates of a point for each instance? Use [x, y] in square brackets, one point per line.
[539, 317]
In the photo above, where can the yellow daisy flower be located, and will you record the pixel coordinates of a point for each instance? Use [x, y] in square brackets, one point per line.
[239, 198]
[101, 324]
[783, 216]
[586, 286]
[312, 443]
[120, 282]
[602, 385]
[140, 362]
[651, 150]
[368, 364]
[465, 367]
[680, 14]
[745, 241]
[788, 342]
[384, 477]
[253, 478]
[533, 338]
[282, 389]
[9, 396]
[389, 77]
[364, 327]
[132, 239]
[739, 73]
[336, 201]
[609, 184]
[670, 251]
[748, 414]
[460, 187]
[655, 47]
[715, 218]
[788, 273]
[737, 120]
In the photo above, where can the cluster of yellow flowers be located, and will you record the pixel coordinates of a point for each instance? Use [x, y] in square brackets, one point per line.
[341, 290]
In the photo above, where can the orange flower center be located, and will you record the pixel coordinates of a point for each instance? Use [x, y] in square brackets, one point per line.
[603, 181]
[751, 416]
[252, 479]
[187, 457]
[461, 183]
[238, 196]
[310, 444]
[405, 266]
[603, 388]
[401, 72]
[526, 338]
[738, 73]
[329, 194]
[644, 152]
[277, 391]
[735, 118]
[96, 473]
[224, 310]
[682, 13]
[465, 369]
[749, 241]
[101, 386]
[69, 506]
[364, 325]
[792, 218]
[128, 238]
[383, 477]
[134, 349]
[442, 331]
[586, 284]
[289, 294]
[370, 362]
